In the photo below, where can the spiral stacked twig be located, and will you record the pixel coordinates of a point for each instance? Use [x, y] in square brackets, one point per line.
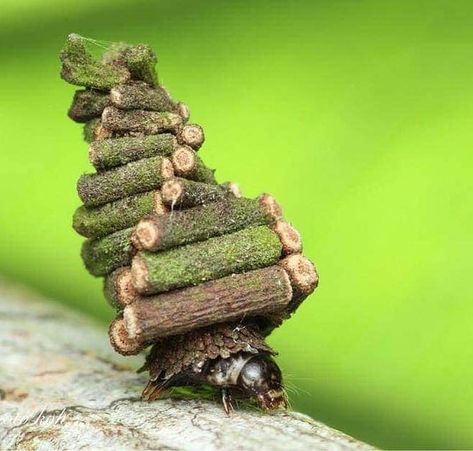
[177, 250]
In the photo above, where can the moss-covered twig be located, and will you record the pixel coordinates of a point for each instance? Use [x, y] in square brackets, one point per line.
[109, 153]
[80, 68]
[247, 249]
[158, 232]
[253, 293]
[188, 165]
[184, 193]
[88, 104]
[103, 255]
[121, 214]
[140, 121]
[141, 96]
[136, 177]
[139, 59]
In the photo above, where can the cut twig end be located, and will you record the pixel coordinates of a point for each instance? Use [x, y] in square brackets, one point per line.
[172, 191]
[183, 110]
[183, 160]
[192, 135]
[271, 206]
[148, 234]
[289, 237]
[120, 339]
[167, 169]
[125, 291]
[116, 97]
[302, 273]
[234, 188]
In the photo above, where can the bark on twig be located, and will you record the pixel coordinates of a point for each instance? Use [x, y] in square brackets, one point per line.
[140, 60]
[136, 177]
[140, 121]
[102, 255]
[247, 249]
[140, 96]
[80, 68]
[183, 193]
[109, 153]
[231, 298]
[63, 387]
[88, 104]
[158, 232]
[120, 214]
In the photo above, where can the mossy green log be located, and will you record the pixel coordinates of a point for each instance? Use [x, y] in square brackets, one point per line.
[140, 121]
[140, 60]
[141, 96]
[80, 68]
[102, 255]
[247, 249]
[159, 232]
[136, 177]
[184, 193]
[109, 153]
[121, 214]
[88, 104]
[257, 293]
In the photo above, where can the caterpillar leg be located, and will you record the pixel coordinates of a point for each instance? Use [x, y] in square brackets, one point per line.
[152, 390]
[227, 401]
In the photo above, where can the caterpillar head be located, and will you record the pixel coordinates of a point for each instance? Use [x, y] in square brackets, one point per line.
[260, 378]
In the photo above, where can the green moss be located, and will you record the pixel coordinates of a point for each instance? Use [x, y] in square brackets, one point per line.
[101, 256]
[133, 178]
[88, 104]
[203, 222]
[198, 193]
[141, 121]
[140, 60]
[109, 153]
[247, 249]
[106, 219]
[140, 96]
[80, 68]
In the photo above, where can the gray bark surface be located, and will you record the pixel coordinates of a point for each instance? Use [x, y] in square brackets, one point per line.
[63, 387]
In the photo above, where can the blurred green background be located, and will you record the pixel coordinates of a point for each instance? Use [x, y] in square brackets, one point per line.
[356, 115]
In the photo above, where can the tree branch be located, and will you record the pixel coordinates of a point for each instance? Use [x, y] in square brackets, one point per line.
[63, 387]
